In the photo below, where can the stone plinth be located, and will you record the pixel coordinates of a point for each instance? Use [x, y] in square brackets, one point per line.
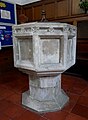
[44, 51]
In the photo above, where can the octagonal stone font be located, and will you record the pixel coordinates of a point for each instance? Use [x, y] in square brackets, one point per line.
[44, 51]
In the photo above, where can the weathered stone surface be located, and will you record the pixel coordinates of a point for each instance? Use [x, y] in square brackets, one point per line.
[57, 103]
[44, 51]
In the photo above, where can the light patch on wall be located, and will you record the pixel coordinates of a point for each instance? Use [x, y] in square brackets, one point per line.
[22, 2]
[28, 1]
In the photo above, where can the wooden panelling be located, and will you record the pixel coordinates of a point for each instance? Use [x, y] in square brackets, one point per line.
[28, 13]
[37, 12]
[62, 8]
[75, 7]
[18, 11]
[50, 10]
[82, 49]
[82, 28]
[82, 43]
[56, 10]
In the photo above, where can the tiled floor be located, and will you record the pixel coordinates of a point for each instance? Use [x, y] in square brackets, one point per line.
[13, 83]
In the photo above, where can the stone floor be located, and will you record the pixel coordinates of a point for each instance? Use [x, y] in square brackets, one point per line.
[13, 83]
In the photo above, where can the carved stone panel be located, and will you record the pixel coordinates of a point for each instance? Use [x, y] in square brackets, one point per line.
[49, 52]
[26, 50]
